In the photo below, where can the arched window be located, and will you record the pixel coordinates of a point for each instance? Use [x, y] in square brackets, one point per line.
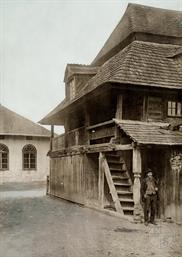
[4, 157]
[29, 157]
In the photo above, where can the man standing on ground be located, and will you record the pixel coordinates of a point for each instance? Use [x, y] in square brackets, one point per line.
[149, 195]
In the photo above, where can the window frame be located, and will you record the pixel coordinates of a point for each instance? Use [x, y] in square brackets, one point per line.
[174, 108]
[6, 149]
[29, 150]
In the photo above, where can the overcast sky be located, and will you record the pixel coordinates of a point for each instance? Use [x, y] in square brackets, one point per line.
[39, 37]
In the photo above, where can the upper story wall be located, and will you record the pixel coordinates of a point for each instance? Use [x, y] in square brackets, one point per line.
[75, 84]
[152, 107]
[76, 77]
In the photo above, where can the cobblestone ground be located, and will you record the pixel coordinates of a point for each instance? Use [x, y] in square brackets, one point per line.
[45, 227]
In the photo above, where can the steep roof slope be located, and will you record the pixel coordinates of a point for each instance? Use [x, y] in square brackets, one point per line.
[140, 63]
[12, 123]
[143, 19]
[143, 63]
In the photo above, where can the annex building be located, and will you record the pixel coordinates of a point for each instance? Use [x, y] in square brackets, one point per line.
[23, 148]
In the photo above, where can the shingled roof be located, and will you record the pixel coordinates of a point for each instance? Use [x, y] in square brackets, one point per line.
[12, 123]
[140, 63]
[150, 132]
[143, 19]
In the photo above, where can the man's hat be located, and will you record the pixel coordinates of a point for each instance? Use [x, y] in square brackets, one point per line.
[148, 171]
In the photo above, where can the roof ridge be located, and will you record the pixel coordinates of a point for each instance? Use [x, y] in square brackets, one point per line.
[142, 19]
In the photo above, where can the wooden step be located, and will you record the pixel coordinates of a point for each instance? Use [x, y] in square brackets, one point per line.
[115, 162]
[121, 192]
[119, 177]
[122, 184]
[125, 208]
[116, 169]
[126, 200]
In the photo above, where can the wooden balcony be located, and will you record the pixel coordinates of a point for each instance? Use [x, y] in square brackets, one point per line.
[96, 134]
[58, 142]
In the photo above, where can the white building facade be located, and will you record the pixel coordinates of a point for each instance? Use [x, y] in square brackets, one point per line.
[23, 149]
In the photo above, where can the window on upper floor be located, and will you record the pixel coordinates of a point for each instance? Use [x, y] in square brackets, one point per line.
[72, 89]
[29, 157]
[4, 157]
[174, 109]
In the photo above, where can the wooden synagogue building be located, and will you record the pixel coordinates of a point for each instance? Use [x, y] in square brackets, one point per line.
[122, 114]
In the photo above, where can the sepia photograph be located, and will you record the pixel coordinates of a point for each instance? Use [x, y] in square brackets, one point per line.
[90, 128]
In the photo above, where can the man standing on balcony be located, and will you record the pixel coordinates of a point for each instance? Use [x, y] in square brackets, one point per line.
[149, 197]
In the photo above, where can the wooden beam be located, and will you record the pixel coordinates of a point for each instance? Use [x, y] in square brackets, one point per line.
[102, 133]
[100, 124]
[87, 122]
[144, 108]
[89, 149]
[119, 147]
[101, 182]
[110, 182]
[52, 136]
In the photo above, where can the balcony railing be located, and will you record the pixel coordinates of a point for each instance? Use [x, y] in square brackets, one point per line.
[58, 142]
[76, 137]
[96, 134]
[72, 138]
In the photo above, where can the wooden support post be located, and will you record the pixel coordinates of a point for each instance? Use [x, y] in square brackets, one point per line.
[52, 136]
[66, 128]
[144, 107]
[137, 169]
[119, 110]
[77, 137]
[87, 123]
[101, 181]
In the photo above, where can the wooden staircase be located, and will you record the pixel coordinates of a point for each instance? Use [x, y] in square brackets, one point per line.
[119, 183]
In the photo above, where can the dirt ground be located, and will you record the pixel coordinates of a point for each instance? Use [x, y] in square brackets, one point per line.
[44, 227]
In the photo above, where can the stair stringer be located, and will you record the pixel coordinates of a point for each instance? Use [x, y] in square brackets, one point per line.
[111, 185]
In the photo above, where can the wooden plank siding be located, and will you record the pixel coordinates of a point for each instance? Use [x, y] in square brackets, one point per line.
[155, 108]
[102, 132]
[75, 178]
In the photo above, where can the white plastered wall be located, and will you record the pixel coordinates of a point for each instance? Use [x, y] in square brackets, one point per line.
[15, 173]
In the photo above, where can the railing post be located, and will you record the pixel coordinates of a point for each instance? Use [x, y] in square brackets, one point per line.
[137, 169]
[101, 181]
